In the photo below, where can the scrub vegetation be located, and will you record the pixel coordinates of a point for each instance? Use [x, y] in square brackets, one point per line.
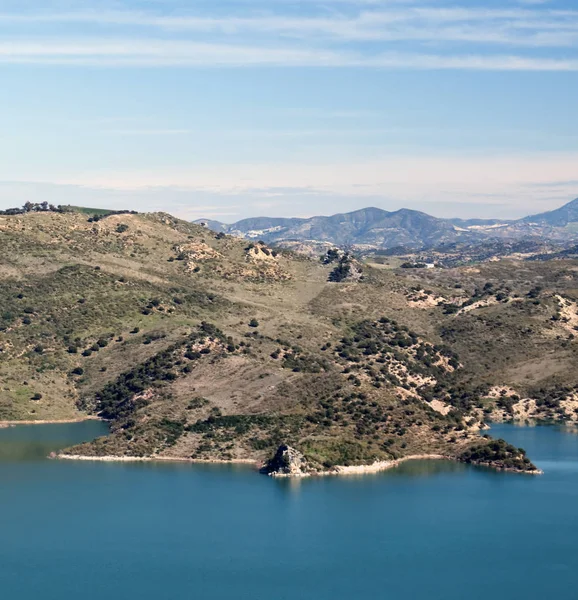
[195, 345]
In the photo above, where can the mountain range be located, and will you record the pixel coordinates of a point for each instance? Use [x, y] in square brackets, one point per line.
[377, 228]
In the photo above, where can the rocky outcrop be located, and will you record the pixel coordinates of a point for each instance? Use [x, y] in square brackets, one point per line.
[287, 462]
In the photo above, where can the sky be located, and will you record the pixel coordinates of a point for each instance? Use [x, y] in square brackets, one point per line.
[228, 109]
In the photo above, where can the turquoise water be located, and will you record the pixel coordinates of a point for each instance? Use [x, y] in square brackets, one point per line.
[429, 530]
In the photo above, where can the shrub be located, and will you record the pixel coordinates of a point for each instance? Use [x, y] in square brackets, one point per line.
[341, 272]
[197, 402]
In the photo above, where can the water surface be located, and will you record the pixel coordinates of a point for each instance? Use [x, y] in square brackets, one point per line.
[428, 530]
[36, 442]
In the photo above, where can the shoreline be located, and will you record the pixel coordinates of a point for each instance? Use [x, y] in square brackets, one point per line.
[535, 471]
[4, 424]
[384, 465]
[376, 467]
[133, 459]
[338, 470]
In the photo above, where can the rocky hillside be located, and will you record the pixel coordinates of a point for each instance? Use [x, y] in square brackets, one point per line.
[373, 228]
[199, 345]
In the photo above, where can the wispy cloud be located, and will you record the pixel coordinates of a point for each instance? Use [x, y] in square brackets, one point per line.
[330, 33]
[450, 192]
[159, 53]
[514, 26]
[403, 177]
[335, 152]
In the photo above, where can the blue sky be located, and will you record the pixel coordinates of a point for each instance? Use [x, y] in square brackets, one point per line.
[236, 108]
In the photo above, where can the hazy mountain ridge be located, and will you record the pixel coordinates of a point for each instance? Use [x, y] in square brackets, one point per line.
[559, 217]
[377, 228]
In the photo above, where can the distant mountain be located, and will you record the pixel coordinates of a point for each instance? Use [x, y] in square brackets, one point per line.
[215, 226]
[377, 228]
[368, 226]
[560, 217]
[478, 222]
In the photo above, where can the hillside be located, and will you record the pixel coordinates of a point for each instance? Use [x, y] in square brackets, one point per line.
[560, 217]
[201, 346]
[374, 228]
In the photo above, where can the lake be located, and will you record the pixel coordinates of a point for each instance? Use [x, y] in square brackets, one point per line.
[427, 530]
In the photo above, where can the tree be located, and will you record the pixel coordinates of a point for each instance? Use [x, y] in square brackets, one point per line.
[331, 256]
[341, 271]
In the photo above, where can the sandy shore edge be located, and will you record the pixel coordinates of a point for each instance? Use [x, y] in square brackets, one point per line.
[4, 424]
[391, 464]
[375, 467]
[133, 459]
[384, 465]
[339, 470]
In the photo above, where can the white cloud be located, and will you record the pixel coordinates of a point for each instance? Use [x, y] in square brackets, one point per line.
[159, 53]
[514, 27]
